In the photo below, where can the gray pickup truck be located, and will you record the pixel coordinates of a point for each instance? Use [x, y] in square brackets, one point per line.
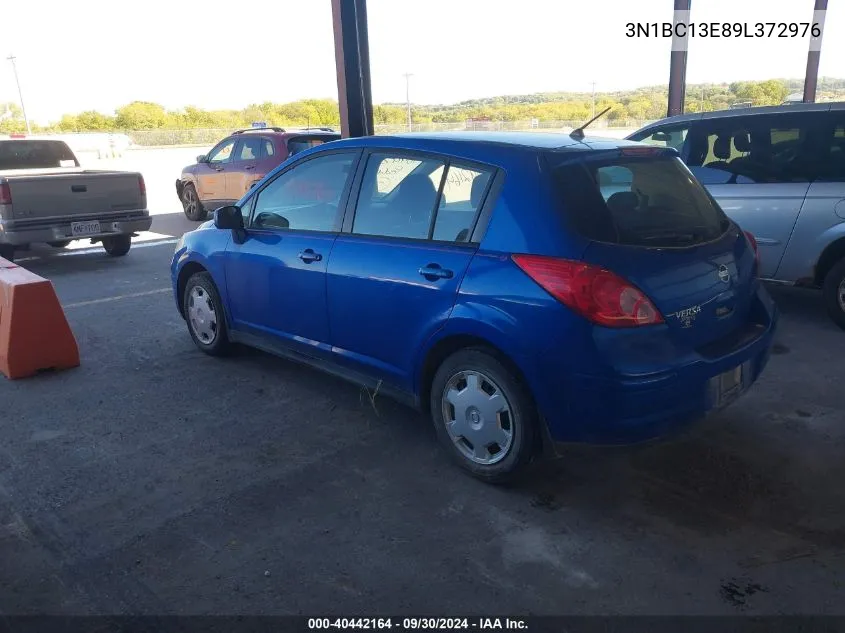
[45, 196]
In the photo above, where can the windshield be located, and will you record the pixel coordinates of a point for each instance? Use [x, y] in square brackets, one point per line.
[301, 143]
[35, 155]
[653, 201]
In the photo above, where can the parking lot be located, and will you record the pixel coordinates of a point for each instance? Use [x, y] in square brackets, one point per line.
[154, 479]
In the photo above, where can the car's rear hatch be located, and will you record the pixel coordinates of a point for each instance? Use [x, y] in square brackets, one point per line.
[649, 221]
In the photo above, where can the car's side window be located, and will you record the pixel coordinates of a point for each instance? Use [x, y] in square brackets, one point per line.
[397, 196]
[248, 150]
[674, 137]
[269, 149]
[831, 162]
[305, 197]
[755, 149]
[463, 194]
[222, 153]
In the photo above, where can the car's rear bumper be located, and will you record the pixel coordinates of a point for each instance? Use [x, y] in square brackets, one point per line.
[59, 230]
[628, 409]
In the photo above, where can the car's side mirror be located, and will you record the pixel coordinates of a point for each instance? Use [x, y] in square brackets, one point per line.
[202, 158]
[663, 137]
[231, 218]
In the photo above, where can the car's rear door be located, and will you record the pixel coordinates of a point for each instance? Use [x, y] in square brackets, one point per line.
[275, 278]
[394, 272]
[757, 168]
[241, 172]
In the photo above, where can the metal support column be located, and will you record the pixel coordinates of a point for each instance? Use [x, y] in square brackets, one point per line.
[352, 58]
[678, 63]
[811, 77]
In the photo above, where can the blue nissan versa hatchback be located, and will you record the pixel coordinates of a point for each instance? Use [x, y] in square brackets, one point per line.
[523, 289]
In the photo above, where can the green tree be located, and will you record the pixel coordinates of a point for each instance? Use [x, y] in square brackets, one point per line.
[141, 115]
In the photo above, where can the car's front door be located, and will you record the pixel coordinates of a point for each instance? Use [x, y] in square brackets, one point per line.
[241, 172]
[275, 278]
[759, 169]
[394, 273]
[211, 175]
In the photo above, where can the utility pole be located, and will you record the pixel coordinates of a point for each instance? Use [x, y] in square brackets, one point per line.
[12, 59]
[407, 77]
[594, 100]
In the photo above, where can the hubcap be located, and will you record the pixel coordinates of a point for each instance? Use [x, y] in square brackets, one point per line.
[841, 294]
[190, 201]
[202, 315]
[478, 417]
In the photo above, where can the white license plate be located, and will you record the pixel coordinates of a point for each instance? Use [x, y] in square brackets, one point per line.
[730, 384]
[81, 229]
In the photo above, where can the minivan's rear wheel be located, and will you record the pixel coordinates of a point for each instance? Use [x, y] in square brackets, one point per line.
[834, 293]
[117, 245]
[191, 204]
[203, 311]
[484, 415]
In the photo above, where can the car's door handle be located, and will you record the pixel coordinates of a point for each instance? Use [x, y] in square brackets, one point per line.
[218, 169]
[432, 272]
[250, 167]
[308, 256]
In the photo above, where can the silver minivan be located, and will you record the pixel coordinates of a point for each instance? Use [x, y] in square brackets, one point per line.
[779, 172]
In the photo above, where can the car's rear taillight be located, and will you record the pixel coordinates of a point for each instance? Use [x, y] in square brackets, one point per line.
[142, 186]
[5, 193]
[597, 294]
[753, 241]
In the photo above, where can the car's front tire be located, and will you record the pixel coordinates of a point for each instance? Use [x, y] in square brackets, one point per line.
[834, 293]
[117, 245]
[484, 415]
[191, 204]
[203, 312]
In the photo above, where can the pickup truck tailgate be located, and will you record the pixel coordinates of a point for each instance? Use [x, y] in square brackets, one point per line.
[47, 193]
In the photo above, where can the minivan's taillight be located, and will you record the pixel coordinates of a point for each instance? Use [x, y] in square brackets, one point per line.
[142, 186]
[753, 241]
[599, 295]
[5, 193]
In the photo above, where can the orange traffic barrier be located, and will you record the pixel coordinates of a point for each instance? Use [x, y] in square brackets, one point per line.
[34, 333]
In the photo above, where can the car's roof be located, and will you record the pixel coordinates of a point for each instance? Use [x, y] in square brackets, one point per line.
[439, 141]
[753, 111]
[285, 132]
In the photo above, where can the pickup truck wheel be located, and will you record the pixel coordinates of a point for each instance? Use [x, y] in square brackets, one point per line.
[834, 293]
[7, 252]
[203, 311]
[118, 245]
[194, 210]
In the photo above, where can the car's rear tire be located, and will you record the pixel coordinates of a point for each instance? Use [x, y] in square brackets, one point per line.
[59, 244]
[484, 415]
[203, 312]
[834, 293]
[117, 245]
[191, 204]
[7, 252]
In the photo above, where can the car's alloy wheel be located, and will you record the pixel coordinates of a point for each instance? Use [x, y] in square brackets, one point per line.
[834, 293]
[202, 315]
[478, 417]
[191, 204]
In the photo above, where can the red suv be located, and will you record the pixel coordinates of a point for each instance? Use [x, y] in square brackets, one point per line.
[236, 163]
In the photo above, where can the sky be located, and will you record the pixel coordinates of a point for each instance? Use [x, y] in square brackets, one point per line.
[98, 55]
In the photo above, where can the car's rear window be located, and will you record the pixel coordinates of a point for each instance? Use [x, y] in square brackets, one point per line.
[642, 201]
[35, 155]
[300, 143]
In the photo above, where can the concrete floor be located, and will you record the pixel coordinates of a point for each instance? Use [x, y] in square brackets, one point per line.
[156, 480]
[153, 479]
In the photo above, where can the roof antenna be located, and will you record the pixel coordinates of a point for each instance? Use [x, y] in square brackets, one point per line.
[578, 133]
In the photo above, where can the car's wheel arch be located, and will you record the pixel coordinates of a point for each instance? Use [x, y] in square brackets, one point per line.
[832, 253]
[188, 270]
